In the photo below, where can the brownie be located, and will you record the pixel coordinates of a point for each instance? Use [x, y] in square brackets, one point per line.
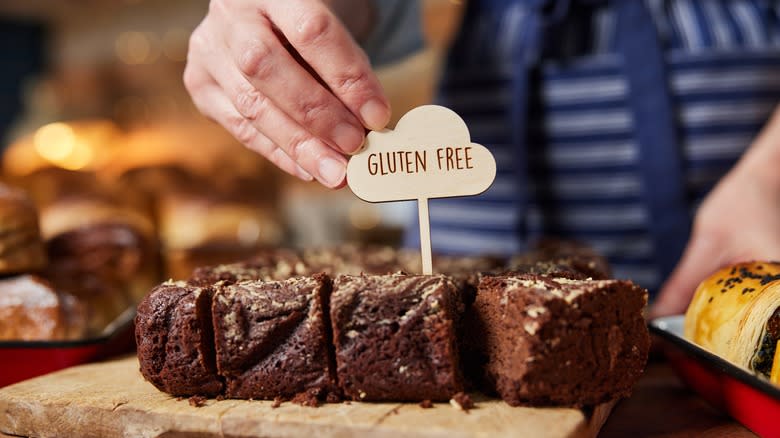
[175, 340]
[558, 341]
[353, 260]
[561, 258]
[269, 265]
[271, 338]
[395, 337]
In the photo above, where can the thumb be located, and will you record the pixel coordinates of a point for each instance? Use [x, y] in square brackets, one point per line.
[700, 259]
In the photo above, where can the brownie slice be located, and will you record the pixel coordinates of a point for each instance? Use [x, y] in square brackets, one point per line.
[395, 337]
[271, 338]
[561, 258]
[559, 341]
[175, 340]
[353, 260]
[268, 265]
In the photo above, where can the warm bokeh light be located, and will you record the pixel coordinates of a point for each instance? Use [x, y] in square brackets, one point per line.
[248, 232]
[364, 216]
[74, 145]
[80, 158]
[133, 47]
[54, 141]
[174, 44]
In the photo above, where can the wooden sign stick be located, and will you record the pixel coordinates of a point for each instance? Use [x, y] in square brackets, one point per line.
[425, 236]
[429, 155]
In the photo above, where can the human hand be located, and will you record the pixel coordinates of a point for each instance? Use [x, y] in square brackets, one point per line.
[288, 81]
[738, 221]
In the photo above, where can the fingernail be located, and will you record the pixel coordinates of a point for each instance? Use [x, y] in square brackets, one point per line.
[303, 174]
[332, 171]
[348, 138]
[375, 114]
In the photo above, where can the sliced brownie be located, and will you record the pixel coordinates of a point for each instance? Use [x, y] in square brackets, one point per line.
[353, 260]
[560, 341]
[395, 337]
[561, 258]
[175, 340]
[269, 265]
[271, 338]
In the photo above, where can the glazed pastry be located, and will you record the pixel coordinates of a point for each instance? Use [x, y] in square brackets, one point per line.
[735, 313]
[21, 248]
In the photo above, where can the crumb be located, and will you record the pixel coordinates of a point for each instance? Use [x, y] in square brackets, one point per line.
[426, 404]
[308, 398]
[333, 397]
[179, 398]
[220, 397]
[197, 401]
[347, 402]
[395, 410]
[462, 401]
[277, 402]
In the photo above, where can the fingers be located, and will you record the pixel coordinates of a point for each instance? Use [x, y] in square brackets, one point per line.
[272, 71]
[327, 47]
[286, 78]
[214, 104]
[698, 261]
[260, 112]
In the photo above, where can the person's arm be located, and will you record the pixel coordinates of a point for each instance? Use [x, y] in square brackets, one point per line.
[738, 221]
[240, 73]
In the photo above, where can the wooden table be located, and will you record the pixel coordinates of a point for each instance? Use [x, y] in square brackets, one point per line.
[660, 406]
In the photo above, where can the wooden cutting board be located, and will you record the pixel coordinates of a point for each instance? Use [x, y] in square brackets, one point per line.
[111, 399]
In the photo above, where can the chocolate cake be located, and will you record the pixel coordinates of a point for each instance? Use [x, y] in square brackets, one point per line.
[271, 338]
[395, 337]
[175, 340]
[560, 342]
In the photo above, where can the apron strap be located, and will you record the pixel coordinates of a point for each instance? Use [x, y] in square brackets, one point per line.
[526, 54]
[649, 98]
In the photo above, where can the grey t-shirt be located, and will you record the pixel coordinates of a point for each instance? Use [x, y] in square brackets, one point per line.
[398, 32]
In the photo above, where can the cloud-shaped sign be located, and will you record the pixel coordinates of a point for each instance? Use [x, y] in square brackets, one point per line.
[428, 155]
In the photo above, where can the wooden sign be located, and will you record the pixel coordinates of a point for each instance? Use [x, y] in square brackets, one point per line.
[428, 155]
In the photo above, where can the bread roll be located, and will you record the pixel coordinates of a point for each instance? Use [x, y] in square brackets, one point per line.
[32, 310]
[21, 248]
[734, 314]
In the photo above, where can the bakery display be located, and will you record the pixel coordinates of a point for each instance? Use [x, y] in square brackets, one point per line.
[395, 337]
[174, 336]
[189, 219]
[560, 342]
[272, 340]
[102, 251]
[21, 249]
[735, 313]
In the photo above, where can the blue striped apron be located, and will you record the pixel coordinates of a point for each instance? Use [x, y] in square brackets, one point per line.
[615, 149]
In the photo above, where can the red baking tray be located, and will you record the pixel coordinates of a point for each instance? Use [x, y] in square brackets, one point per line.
[20, 360]
[750, 399]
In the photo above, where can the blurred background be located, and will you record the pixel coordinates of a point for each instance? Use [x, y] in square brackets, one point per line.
[92, 104]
